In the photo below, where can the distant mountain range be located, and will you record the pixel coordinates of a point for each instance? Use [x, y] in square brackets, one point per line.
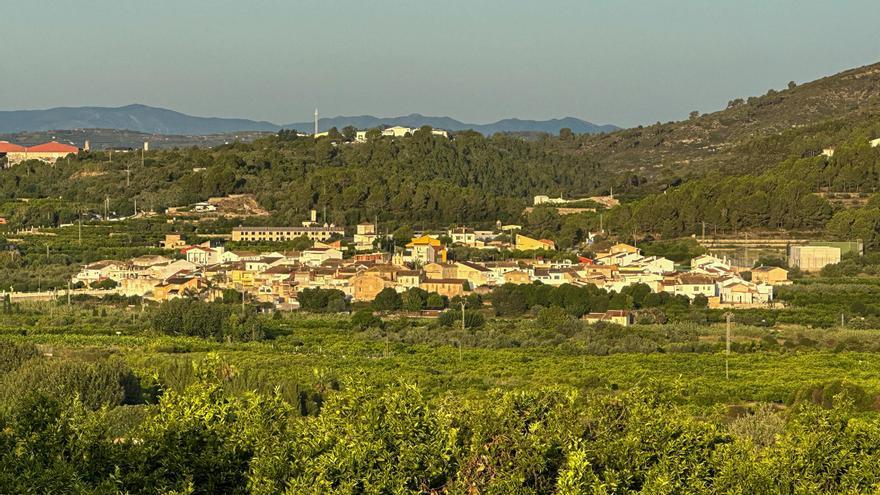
[146, 119]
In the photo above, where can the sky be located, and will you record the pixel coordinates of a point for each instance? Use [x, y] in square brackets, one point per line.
[624, 62]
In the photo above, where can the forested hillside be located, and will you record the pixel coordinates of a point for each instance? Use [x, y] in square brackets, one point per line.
[424, 178]
[750, 135]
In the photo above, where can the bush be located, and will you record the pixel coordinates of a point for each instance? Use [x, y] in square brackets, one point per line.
[104, 284]
[322, 300]
[215, 321]
[365, 319]
[387, 300]
[472, 319]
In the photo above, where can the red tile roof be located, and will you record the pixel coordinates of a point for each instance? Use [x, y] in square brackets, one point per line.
[53, 147]
[7, 147]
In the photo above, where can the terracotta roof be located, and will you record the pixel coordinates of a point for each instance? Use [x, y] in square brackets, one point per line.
[53, 147]
[7, 147]
[191, 248]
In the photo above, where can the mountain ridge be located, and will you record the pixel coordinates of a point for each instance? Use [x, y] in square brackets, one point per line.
[156, 120]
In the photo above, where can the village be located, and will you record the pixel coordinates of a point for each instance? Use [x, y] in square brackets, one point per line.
[357, 268]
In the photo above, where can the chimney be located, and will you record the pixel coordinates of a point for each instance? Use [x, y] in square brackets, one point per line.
[86, 145]
[146, 146]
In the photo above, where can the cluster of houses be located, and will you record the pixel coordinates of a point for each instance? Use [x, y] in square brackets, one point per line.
[277, 277]
[394, 131]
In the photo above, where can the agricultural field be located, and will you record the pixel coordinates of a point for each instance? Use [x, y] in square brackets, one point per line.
[117, 399]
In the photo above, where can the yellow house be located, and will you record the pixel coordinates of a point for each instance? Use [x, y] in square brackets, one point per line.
[517, 277]
[525, 243]
[772, 275]
[440, 270]
[365, 286]
[240, 277]
[623, 248]
[425, 249]
[449, 287]
[176, 287]
[474, 273]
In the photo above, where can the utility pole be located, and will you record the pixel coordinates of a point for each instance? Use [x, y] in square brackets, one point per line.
[80, 235]
[704, 230]
[68, 292]
[729, 316]
[127, 176]
[462, 316]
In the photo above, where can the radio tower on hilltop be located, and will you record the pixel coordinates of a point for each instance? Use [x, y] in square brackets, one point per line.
[316, 122]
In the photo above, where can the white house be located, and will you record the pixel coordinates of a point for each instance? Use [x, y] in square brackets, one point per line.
[397, 131]
[710, 265]
[364, 236]
[317, 255]
[97, 271]
[736, 291]
[656, 264]
[203, 255]
[463, 235]
[233, 256]
[692, 285]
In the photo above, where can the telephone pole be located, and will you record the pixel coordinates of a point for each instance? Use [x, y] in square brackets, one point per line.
[462, 316]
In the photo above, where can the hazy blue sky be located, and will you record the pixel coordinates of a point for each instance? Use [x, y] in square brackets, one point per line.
[621, 62]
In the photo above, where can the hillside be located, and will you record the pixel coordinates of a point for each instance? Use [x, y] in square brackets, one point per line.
[151, 120]
[751, 134]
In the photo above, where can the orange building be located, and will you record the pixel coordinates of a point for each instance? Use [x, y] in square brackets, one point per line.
[47, 152]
